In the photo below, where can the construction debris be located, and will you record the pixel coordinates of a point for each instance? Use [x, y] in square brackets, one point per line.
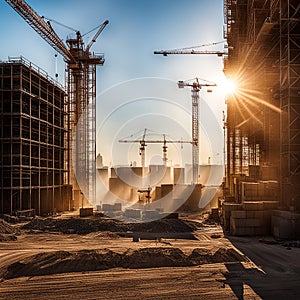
[85, 226]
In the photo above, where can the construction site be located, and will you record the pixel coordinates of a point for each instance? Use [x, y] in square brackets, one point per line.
[72, 227]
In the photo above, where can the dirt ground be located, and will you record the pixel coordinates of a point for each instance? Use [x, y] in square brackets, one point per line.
[200, 264]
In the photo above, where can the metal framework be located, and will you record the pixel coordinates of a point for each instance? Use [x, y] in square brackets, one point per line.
[81, 81]
[289, 22]
[33, 147]
[263, 118]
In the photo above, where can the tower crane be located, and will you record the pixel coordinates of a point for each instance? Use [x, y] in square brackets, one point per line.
[81, 92]
[196, 87]
[164, 141]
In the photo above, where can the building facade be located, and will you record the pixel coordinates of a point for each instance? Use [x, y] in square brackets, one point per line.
[34, 169]
[263, 116]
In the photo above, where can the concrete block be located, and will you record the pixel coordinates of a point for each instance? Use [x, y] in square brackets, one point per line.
[270, 205]
[117, 206]
[238, 214]
[166, 189]
[244, 222]
[231, 206]
[253, 205]
[229, 199]
[133, 213]
[268, 173]
[286, 225]
[243, 231]
[86, 212]
[150, 214]
[107, 207]
[259, 214]
[250, 214]
[157, 192]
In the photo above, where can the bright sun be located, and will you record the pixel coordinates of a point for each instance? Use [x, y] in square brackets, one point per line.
[228, 86]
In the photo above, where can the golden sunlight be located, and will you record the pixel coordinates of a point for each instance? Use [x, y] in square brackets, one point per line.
[228, 86]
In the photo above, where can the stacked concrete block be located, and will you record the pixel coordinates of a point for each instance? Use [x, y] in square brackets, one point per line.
[247, 227]
[249, 191]
[133, 213]
[166, 189]
[259, 191]
[253, 205]
[118, 206]
[157, 193]
[268, 173]
[150, 214]
[227, 208]
[178, 176]
[253, 219]
[286, 225]
[268, 190]
[86, 212]
[111, 207]
[107, 207]
[270, 205]
[254, 171]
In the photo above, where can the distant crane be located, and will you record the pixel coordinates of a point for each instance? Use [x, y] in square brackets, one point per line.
[191, 50]
[81, 91]
[196, 86]
[167, 52]
[143, 144]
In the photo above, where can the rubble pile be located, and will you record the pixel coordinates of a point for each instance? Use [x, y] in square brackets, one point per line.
[6, 228]
[7, 232]
[86, 226]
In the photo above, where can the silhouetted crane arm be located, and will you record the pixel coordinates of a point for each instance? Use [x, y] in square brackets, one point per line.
[43, 28]
[167, 52]
[102, 26]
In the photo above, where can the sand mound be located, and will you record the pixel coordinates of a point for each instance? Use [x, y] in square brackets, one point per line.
[7, 237]
[47, 263]
[55, 262]
[221, 255]
[103, 235]
[85, 226]
[155, 257]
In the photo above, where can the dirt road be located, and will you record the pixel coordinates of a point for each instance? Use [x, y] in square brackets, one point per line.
[215, 267]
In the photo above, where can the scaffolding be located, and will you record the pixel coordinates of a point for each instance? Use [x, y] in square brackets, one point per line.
[34, 171]
[82, 99]
[263, 117]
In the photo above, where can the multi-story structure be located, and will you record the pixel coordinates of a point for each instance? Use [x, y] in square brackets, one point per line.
[34, 169]
[263, 117]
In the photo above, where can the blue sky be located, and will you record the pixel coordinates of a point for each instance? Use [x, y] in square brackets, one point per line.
[136, 29]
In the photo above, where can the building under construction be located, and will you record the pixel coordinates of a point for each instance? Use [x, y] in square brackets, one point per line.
[263, 115]
[34, 145]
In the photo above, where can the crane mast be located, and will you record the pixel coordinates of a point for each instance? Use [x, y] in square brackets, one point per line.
[196, 87]
[81, 98]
